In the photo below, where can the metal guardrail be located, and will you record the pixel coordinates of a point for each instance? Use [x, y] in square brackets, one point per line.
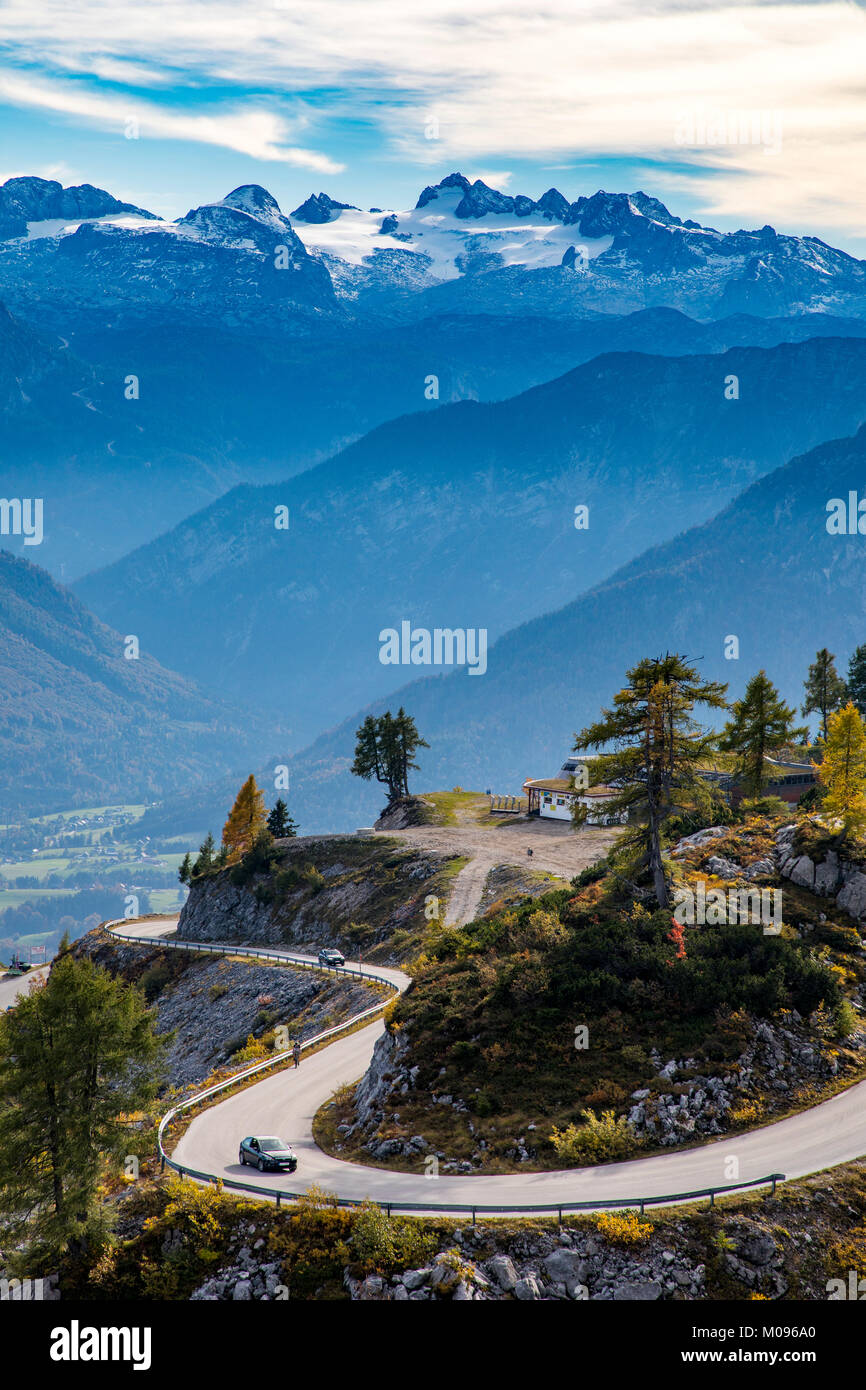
[476, 1209]
[330, 1034]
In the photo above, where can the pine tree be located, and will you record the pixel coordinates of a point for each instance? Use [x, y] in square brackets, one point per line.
[385, 749]
[77, 1056]
[857, 679]
[403, 745]
[280, 823]
[825, 689]
[368, 761]
[761, 723]
[205, 861]
[843, 770]
[184, 873]
[246, 818]
[660, 750]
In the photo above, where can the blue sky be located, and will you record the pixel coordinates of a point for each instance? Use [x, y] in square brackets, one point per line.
[734, 114]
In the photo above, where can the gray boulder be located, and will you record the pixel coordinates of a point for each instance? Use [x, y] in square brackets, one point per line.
[502, 1272]
[853, 896]
[803, 872]
[637, 1293]
[723, 868]
[527, 1289]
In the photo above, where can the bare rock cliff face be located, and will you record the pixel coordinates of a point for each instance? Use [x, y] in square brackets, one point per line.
[319, 889]
[219, 910]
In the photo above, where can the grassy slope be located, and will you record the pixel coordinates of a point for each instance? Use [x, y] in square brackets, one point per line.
[496, 1005]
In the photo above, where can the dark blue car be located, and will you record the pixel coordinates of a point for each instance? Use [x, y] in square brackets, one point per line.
[269, 1155]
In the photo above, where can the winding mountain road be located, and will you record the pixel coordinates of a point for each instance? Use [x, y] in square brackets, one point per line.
[14, 987]
[285, 1103]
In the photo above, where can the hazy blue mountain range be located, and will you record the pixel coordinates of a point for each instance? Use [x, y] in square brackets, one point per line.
[82, 724]
[229, 406]
[244, 372]
[464, 518]
[764, 569]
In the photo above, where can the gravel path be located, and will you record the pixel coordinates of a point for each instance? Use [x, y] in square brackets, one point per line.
[556, 848]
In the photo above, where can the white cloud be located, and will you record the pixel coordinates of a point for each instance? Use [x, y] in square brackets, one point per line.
[494, 178]
[563, 80]
[60, 172]
[252, 131]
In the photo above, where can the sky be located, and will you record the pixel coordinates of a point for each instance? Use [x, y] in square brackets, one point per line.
[734, 114]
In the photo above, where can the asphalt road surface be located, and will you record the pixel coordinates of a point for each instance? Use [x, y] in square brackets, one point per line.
[13, 987]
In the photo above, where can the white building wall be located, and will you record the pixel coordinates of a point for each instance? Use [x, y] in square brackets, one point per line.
[556, 805]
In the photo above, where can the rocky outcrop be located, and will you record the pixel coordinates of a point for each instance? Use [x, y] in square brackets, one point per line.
[830, 877]
[699, 839]
[539, 1267]
[316, 892]
[215, 1008]
[779, 1060]
[250, 1275]
[400, 815]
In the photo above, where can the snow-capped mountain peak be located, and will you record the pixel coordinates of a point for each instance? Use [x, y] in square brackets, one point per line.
[320, 208]
[611, 253]
[248, 216]
[475, 249]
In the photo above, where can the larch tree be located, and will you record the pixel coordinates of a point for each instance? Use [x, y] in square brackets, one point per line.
[658, 752]
[246, 821]
[761, 722]
[78, 1055]
[843, 771]
[825, 689]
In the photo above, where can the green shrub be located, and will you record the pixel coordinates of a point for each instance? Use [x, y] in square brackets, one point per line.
[764, 806]
[602, 1137]
[590, 875]
[716, 813]
[154, 980]
[382, 1242]
[812, 797]
[259, 859]
[845, 1020]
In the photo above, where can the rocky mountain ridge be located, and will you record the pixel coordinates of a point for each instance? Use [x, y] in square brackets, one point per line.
[631, 252]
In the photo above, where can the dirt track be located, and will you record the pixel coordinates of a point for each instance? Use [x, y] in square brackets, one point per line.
[556, 848]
